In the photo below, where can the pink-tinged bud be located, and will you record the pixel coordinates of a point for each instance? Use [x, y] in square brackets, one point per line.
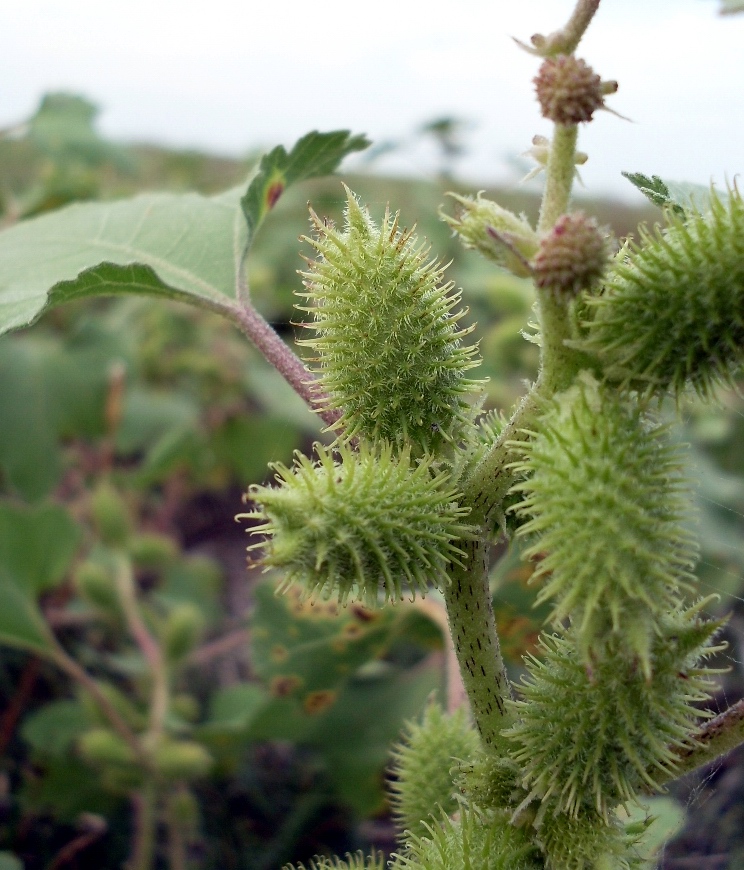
[572, 257]
[568, 90]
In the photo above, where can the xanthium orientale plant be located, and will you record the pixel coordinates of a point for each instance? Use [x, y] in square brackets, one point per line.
[607, 711]
[418, 483]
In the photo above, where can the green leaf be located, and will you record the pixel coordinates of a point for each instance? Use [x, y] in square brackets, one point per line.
[67, 786]
[183, 247]
[53, 729]
[231, 714]
[148, 415]
[313, 155]
[330, 688]
[680, 196]
[355, 736]
[36, 548]
[730, 6]
[9, 862]
[51, 390]
[247, 444]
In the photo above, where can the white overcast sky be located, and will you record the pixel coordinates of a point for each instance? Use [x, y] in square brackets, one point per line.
[228, 76]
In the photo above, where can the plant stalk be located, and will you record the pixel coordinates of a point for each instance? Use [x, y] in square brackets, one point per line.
[559, 175]
[715, 738]
[144, 806]
[473, 631]
[149, 647]
[266, 339]
[67, 664]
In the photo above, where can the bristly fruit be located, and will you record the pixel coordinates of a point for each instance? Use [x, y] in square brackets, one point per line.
[364, 528]
[623, 726]
[572, 257]
[423, 766]
[672, 310]
[357, 861]
[603, 499]
[569, 91]
[390, 356]
[475, 840]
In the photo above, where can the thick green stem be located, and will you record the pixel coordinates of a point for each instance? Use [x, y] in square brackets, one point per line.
[468, 597]
[558, 362]
[559, 173]
[473, 630]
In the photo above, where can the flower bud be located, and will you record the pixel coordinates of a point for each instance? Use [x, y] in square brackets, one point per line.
[594, 737]
[568, 90]
[423, 762]
[110, 516]
[152, 552]
[181, 759]
[604, 501]
[507, 240]
[183, 630]
[94, 583]
[671, 314]
[573, 256]
[101, 747]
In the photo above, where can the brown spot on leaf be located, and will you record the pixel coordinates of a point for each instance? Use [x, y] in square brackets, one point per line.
[317, 702]
[279, 653]
[282, 686]
[275, 190]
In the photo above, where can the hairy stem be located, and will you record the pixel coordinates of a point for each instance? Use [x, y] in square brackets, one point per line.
[275, 351]
[567, 39]
[146, 642]
[473, 630]
[559, 175]
[716, 737]
[558, 362]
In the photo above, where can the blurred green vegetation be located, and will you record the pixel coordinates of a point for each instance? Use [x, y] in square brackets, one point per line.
[139, 423]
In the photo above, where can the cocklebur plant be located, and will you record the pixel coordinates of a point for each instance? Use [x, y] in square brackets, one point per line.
[415, 487]
[608, 706]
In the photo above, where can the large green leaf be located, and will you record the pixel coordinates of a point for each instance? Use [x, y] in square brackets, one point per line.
[184, 247]
[313, 155]
[329, 686]
[36, 548]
